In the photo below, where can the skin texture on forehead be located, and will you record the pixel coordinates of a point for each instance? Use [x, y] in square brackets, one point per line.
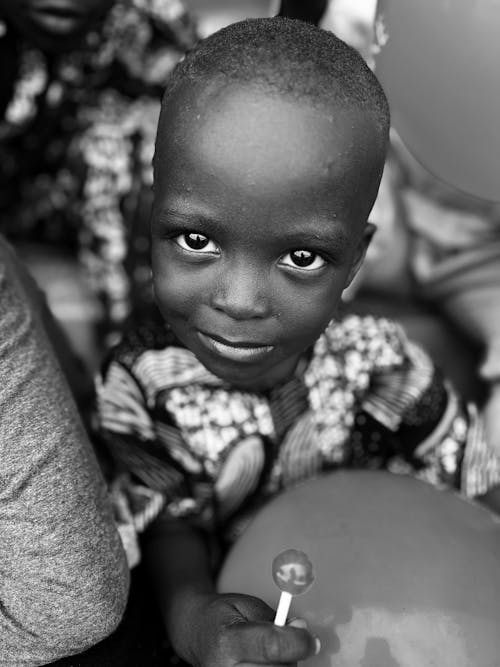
[231, 128]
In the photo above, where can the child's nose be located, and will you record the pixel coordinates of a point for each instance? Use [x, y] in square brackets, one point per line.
[240, 292]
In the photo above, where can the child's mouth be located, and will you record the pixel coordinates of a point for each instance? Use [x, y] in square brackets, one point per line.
[235, 351]
[57, 18]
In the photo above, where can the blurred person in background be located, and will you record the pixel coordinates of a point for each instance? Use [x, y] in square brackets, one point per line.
[79, 94]
[454, 263]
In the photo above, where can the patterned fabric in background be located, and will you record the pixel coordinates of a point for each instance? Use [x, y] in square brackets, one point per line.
[189, 446]
[76, 140]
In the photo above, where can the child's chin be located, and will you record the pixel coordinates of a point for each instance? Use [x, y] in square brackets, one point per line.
[239, 375]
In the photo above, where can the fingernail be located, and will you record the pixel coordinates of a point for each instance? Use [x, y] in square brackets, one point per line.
[298, 623]
[317, 645]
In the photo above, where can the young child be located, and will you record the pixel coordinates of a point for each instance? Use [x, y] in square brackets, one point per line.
[269, 153]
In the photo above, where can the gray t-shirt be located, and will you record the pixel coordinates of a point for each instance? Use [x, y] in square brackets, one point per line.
[63, 574]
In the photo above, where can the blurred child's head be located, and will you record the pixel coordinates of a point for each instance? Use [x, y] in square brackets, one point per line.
[53, 25]
[269, 153]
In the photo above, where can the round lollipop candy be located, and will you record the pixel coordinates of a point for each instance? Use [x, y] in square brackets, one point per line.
[293, 574]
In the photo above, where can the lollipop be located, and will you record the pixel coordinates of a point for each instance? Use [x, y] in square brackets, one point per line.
[293, 575]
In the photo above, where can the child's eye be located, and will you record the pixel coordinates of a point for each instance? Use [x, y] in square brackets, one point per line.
[303, 259]
[196, 242]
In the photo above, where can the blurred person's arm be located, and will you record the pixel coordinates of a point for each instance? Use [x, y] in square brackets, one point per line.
[63, 574]
[425, 428]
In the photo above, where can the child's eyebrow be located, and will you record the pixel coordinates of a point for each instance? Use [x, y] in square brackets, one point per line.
[176, 218]
[329, 233]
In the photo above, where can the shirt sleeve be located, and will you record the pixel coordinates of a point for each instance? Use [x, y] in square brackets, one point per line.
[63, 574]
[154, 476]
[428, 429]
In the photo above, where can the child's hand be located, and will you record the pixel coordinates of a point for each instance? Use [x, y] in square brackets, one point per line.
[235, 629]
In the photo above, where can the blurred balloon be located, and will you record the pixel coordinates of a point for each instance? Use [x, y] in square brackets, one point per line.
[406, 575]
[438, 63]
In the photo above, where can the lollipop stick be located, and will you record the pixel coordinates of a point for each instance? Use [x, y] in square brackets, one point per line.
[283, 607]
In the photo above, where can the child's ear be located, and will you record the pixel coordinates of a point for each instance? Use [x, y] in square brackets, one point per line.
[360, 253]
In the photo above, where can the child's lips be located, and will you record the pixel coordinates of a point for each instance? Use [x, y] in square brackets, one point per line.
[235, 350]
[57, 18]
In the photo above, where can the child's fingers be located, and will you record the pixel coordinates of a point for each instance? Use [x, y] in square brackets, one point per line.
[268, 644]
[298, 623]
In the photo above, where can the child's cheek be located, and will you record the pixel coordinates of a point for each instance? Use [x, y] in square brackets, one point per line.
[178, 292]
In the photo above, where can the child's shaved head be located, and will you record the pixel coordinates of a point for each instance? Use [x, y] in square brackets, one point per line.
[296, 60]
[291, 57]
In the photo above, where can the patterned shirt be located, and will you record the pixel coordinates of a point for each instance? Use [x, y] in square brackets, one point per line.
[188, 445]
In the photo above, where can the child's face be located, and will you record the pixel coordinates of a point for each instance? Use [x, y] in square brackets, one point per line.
[258, 226]
[52, 24]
